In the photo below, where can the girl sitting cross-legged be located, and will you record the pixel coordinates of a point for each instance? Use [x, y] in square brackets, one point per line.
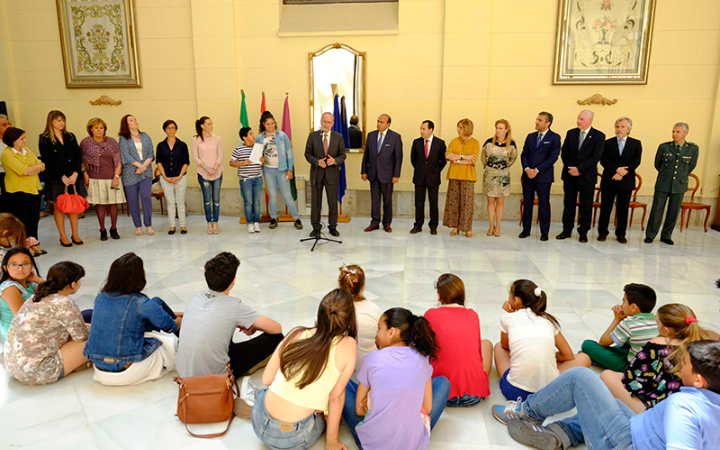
[18, 283]
[397, 402]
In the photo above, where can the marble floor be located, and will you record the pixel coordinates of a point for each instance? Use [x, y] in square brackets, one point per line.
[282, 279]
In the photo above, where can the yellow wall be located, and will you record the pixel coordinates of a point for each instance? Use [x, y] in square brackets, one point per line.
[482, 59]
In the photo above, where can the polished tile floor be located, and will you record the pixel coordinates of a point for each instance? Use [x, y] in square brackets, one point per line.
[282, 279]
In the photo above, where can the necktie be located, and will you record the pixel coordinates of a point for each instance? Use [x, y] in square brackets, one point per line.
[582, 138]
[621, 145]
[325, 143]
[426, 147]
[539, 140]
[380, 142]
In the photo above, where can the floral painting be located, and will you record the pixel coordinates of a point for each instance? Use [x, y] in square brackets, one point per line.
[603, 41]
[98, 43]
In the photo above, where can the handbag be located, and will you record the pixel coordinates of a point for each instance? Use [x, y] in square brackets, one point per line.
[71, 203]
[207, 399]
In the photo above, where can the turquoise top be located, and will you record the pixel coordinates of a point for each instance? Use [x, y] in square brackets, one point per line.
[6, 314]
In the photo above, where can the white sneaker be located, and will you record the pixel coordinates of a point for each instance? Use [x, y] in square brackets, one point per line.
[251, 228]
[256, 225]
[247, 390]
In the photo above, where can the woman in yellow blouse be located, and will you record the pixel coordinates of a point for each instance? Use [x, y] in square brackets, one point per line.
[22, 184]
[459, 204]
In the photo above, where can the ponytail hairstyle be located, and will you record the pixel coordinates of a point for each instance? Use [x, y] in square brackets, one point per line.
[60, 276]
[681, 319]
[450, 289]
[307, 358]
[12, 252]
[198, 127]
[415, 331]
[12, 229]
[534, 298]
[352, 279]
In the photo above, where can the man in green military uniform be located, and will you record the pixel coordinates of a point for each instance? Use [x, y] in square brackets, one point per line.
[674, 162]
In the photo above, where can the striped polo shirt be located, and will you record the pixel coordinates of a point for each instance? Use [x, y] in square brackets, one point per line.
[242, 153]
[635, 330]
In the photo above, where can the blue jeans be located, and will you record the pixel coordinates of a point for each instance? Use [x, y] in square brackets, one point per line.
[252, 193]
[211, 197]
[466, 401]
[303, 435]
[275, 179]
[602, 421]
[440, 393]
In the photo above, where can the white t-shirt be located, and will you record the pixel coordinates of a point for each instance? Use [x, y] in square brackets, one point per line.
[367, 314]
[532, 349]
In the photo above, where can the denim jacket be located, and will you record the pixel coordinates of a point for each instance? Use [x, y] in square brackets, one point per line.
[129, 155]
[286, 159]
[118, 327]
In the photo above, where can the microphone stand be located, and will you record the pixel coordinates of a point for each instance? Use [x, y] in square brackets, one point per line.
[319, 236]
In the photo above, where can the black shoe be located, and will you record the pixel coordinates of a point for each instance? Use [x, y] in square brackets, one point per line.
[273, 223]
[622, 240]
[171, 232]
[183, 231]
[334, 232]
[76, 242]
[65, 245]
[114, 234]
[298, 224]
[667, 241]
[602, 237]
[544, 237]
[648, 240]
[433, 231]
[563, 235]
[315, 233]
[415, 230]
[583, 238]
[103, 235]
[523, 235]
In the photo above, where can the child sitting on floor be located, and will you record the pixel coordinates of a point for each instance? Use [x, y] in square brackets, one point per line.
[525, 357]
[633, 325]
[18, 283]
[367, 313]
[654, 372]
[12, 234]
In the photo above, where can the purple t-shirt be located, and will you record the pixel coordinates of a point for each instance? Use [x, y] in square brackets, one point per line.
[396, 377]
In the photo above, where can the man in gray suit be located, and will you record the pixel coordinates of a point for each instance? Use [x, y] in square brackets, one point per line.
[325, 151]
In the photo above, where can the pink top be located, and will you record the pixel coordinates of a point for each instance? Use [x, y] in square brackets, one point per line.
[207, 153]
[460, 357]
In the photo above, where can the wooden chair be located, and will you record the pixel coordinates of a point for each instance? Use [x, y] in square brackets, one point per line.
[596, 203]
[691, 205]
[522, 204]
[636, 204]
[160, 196]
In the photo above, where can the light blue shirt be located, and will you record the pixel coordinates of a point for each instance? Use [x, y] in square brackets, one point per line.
[688, 419]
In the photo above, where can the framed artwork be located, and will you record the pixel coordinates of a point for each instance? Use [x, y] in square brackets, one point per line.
[99, 44]
[603, 41]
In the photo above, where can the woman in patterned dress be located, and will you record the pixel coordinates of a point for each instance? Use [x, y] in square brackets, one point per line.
[460, 201]
[498, 154]
[47, 336]
[103, 166]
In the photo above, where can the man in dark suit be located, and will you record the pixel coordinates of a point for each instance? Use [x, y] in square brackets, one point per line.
[355, 133]
[619, 160]
[381, 165]
[541, 150]
[581, 152]
[428, 159]
[325, 151]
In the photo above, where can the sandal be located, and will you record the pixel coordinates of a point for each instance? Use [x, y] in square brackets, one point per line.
[469, 233]
[454, 232]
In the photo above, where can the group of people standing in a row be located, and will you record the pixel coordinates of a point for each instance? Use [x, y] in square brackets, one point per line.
[583, 148]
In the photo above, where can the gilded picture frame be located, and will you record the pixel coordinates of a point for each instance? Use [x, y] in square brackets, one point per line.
[99, 43]
[603, 41]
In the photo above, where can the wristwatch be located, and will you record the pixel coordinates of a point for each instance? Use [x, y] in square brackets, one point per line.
[461, 157]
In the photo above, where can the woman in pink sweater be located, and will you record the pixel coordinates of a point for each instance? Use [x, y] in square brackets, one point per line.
[207, 154]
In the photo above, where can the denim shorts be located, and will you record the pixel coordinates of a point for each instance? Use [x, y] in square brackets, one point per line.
[511, 392]
[466, 400]
[299, 435]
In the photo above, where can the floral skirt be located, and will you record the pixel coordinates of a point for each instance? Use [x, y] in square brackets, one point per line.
[100, 192]
[459, 205]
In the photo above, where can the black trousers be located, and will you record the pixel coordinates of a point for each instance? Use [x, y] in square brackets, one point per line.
[25, 207]
[610, 193]
[530, 187]
[246, 355]
[3, 206]
[316, 204]
[571, 189]
[432, 193]
[380, 191]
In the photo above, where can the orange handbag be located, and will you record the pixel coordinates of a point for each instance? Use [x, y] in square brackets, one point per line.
[71, 203]
[207, 399]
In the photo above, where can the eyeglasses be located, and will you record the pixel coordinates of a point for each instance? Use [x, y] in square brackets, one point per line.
[16, 266]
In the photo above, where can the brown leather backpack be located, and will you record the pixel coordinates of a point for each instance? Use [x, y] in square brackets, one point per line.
[207, 399]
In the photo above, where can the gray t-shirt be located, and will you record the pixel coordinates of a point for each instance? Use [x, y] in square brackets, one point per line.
[207, 328]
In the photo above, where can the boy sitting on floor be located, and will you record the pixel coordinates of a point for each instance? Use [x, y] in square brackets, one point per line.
[633, 325]
[686, 420]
